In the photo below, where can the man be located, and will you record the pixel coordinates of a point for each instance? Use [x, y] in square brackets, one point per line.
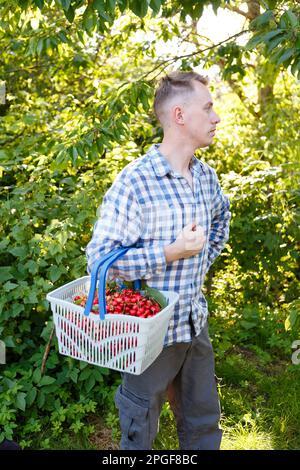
[171, 206]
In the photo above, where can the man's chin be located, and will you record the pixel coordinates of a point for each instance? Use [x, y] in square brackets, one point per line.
[210, 140]
[205, 144]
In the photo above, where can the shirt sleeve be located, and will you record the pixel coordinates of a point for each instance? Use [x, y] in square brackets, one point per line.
[120, 225]
[221, 215]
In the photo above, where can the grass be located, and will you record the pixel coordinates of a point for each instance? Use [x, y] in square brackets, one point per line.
[259, 401]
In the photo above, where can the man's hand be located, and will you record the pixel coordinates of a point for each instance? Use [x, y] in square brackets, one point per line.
[188, 243]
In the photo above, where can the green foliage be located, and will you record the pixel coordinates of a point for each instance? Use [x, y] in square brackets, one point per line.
[275, 28]
[280, 36]
[77, 110]
[65, 395]
[293, 320]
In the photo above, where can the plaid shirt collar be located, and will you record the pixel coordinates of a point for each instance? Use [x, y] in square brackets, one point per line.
[162, 167]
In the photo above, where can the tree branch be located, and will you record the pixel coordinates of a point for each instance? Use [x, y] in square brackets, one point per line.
[174, 59]
[47, 350]
[237, 10]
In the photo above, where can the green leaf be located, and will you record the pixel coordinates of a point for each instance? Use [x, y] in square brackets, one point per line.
[32, 266]
[274, 43]
[291, 320]
[20, 401]
[4, 155]
[8, 286]
[97, 374]
[89, 20]
[36, 376]
[99, 5]
[90, 383]
[104, 371]
[139, 7]
[40, 46]
[285, 21]
[83, 365]
[254, 41]
[154, 294]
[271, 34]
[284, 56]
[41, 399]
[197, 10]
[46, 380]
[39, 3]
[290, 18]
[233, 69]
[70, 14]
[10, 384]
[122, 4]
[261, 20]
[9, 342]
[31, 396]
[111, 5]
[5, 273]
[216, 4]
[62, 36]
[19, 251]
[55, 273]
[271, 4]
[31, 298]
[296, 66]
[4, 244]
[247, 324]
[74, 375]
[85, 374]
[17, 309]
[65, 4]
[155, 6]
[144, 100]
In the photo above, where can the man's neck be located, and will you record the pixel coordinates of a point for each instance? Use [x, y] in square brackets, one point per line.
[178, 155]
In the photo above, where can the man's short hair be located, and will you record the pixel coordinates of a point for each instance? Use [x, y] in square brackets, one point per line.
[174, 84]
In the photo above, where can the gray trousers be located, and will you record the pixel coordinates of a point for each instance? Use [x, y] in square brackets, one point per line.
[185, 374]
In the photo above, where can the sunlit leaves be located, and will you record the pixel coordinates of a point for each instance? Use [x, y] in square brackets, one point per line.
[39, 3]
[262, 20]
[293, 319]
[155, 5]
[282, 42]
[139, 7]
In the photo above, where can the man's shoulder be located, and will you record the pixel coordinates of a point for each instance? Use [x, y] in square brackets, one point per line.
[141, 166]
[129, 180]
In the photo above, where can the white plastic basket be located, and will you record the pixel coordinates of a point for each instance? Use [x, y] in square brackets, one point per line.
[120, 342]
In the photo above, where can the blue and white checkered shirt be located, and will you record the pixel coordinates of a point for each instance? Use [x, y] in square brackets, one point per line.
[148, 205]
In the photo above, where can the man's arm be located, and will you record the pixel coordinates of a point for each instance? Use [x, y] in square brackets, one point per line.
[120, 225]
[219, 232]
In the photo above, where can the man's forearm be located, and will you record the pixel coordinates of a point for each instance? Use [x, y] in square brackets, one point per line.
[140, 263]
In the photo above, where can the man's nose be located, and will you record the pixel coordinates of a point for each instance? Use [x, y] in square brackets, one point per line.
[216, 118]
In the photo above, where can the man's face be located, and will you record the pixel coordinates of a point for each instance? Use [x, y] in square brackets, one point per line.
[199, 120]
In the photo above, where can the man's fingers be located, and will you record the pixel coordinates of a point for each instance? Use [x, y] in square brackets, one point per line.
[199, 229]
[190, 226]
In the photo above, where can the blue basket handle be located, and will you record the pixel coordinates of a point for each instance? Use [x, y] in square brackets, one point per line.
[93, 284]
[104, 264]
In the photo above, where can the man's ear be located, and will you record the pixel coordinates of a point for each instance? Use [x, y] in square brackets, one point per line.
[178, 115]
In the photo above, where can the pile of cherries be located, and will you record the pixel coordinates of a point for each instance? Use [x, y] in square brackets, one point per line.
[124, 302]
